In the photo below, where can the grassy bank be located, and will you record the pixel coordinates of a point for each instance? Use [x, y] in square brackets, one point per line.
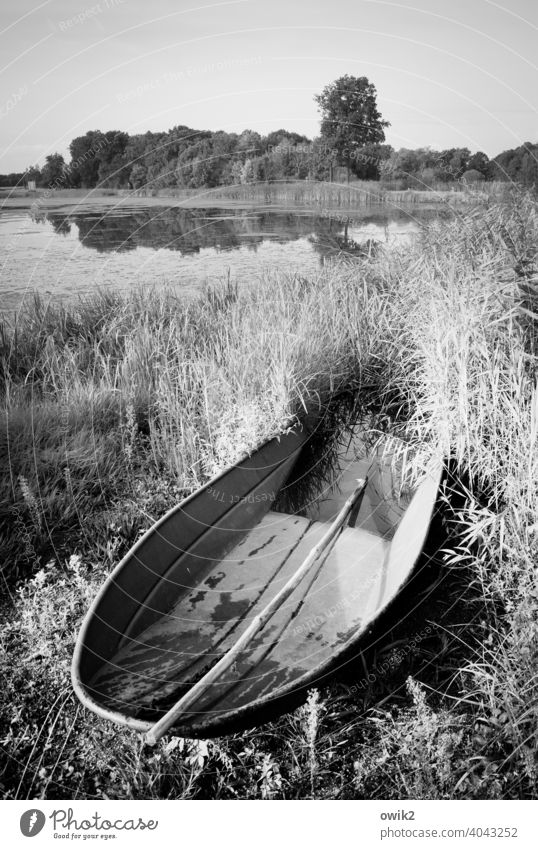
[114, 408]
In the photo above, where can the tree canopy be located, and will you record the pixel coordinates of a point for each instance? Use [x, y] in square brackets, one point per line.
[350, 119]
[352, 137]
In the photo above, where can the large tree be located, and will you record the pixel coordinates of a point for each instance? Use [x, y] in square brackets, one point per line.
[519, 164]
[350, 118]
[84, 165]
[113, 167]
[480, 162]
[54, 172]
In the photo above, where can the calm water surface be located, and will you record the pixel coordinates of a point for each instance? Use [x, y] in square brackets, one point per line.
[63, 255]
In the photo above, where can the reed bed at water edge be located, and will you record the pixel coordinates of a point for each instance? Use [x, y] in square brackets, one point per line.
[341, 195]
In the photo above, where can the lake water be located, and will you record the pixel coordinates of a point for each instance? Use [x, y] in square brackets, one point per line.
[63, 255]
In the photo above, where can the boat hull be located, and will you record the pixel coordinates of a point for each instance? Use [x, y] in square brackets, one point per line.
[187, 591]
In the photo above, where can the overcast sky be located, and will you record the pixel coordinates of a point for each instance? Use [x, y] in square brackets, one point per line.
[448, 74]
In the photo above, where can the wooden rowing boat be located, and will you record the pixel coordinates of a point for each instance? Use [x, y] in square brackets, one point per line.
[204, 578]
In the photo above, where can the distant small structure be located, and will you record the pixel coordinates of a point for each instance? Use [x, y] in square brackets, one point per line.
[31, 186]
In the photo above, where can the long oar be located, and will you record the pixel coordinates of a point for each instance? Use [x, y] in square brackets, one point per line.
[323, 547]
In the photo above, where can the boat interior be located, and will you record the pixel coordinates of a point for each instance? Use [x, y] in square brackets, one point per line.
[159, 657]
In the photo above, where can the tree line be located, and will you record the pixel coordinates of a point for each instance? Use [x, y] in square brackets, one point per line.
[351, 145]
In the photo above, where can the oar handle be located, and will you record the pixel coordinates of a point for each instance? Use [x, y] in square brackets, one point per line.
[228, 659]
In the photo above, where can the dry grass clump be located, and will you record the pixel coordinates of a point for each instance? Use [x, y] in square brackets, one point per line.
[414, 755]
[115, 407]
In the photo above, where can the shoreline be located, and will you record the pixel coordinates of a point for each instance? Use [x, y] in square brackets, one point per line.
[81, 200]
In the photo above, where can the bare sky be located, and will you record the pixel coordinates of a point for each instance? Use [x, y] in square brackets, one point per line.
[448, 74]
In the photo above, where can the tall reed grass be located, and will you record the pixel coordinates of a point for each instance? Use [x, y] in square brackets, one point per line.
[325, 195]
[180, 390]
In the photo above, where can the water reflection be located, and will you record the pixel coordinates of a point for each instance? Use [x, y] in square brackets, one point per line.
[190, 231]
[64, 255]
